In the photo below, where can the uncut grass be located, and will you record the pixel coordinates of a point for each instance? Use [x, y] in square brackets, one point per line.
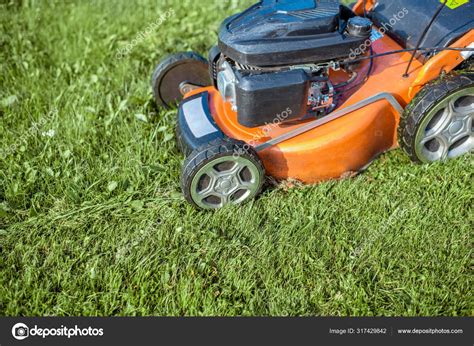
[92, 221]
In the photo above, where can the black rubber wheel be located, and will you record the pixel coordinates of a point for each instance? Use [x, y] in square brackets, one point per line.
[175, 69]
[222, 172]
[438, 123]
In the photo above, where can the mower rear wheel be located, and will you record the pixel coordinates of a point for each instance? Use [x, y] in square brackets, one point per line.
[173, 72]
[220, 173]
[438, 123]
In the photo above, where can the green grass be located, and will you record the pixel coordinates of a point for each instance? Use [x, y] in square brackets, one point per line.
[92, 221]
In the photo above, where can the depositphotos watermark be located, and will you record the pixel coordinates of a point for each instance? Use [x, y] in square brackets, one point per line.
[31, 132]
[21, 331]
[142, 35]
[376, 34]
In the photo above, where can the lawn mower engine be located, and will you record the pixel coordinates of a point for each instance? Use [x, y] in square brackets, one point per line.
[275, 58]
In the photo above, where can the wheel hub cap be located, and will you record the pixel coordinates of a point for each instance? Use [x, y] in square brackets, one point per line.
[225, 184]
[227, 180]
[455, 127]
[447, 131]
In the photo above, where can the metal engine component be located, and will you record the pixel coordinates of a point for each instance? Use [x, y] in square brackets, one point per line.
[316, 97]
[321, 97]
[226, 83]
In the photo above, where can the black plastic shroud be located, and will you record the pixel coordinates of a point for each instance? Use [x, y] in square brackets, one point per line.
[288, 32]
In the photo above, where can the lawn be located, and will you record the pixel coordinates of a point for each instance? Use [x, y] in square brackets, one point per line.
[92, 221]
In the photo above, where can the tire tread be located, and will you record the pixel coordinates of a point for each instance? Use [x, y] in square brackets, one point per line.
[212, 150]
[431, 94]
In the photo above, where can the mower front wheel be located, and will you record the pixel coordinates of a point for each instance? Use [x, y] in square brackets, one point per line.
[222, 172]
[438, 123]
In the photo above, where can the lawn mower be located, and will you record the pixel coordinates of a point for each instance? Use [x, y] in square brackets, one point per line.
[313, 90]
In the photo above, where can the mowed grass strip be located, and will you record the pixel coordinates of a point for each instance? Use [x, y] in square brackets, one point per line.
[92, 221]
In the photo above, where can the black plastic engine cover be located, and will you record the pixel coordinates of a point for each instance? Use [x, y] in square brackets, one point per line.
[267, 97]
[287, 32]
